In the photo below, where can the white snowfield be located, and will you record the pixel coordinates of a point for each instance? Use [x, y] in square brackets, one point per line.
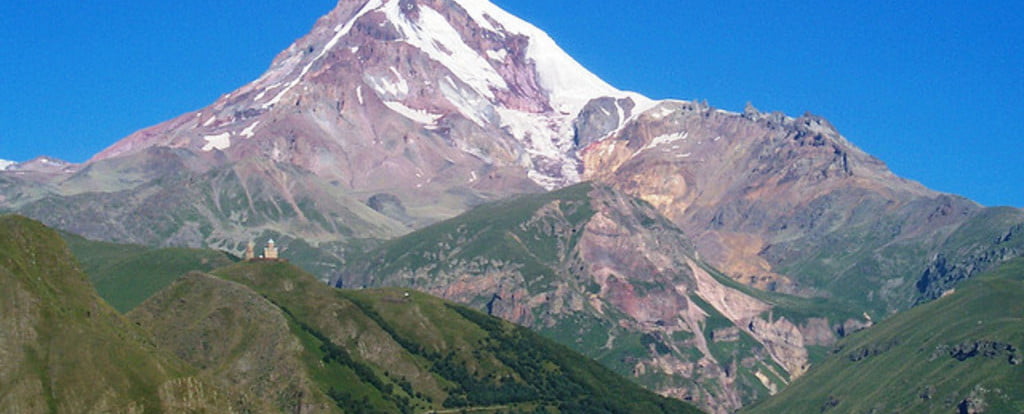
[219, 141]
[250, 130]
[418, 115]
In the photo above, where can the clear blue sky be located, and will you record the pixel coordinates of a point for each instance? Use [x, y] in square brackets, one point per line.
[934, 88]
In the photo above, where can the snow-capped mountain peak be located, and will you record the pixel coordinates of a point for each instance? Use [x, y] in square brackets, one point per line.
[4, 164]
[482, 88]
[442, 30]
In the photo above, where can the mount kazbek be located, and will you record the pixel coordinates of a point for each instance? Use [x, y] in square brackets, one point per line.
[394, 115]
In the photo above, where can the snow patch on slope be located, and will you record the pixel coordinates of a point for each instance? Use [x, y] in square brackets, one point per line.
[662, 140]
[666, 139]
[50, 162]
[417, 115]
[469, 104]
[263, 93]
[661, 112]
[498, 55]
[249, 131]
[219, 141]
[543, 139]
[387, 88]
[5, 164]
[643, 107]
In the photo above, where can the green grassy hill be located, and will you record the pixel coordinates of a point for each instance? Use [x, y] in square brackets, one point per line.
[961, 353]
[126, 274]
[63, 350]
[392, 350]
[268, 337]
[237, 337]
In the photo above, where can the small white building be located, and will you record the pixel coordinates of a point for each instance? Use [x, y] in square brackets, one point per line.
[271, 251]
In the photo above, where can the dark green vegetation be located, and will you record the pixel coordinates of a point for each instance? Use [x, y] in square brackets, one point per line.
[64, 350]
[961, 353]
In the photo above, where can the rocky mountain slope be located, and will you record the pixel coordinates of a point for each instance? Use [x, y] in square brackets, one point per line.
[158, 197]
[961, 353]
[606, 274]
[404, 96]
[64, 350]
[439, 104]
[789, 204]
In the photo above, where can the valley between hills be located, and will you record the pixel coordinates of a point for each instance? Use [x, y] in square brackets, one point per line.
[472, 221]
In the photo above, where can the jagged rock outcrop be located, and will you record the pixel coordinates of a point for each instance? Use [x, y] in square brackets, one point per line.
[981, 348]
[962, 259]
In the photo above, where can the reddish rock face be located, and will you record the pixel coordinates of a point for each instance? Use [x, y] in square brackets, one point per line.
[779, 203]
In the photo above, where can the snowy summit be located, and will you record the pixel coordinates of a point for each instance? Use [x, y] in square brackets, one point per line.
[469, 76]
